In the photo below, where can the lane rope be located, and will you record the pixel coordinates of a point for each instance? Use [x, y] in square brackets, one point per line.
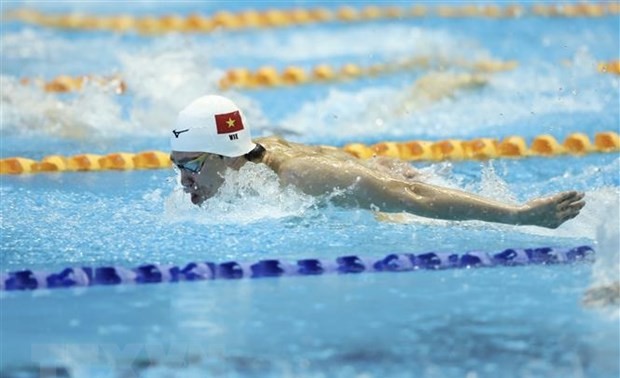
[67, 83]
[352, 264]
[270, 77]
[488, 148]
[278, 18]
[576, 144]
[613, 67]
[292, 75]
[87, 162]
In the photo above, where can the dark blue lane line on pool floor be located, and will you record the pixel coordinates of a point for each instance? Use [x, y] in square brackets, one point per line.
[198, 271]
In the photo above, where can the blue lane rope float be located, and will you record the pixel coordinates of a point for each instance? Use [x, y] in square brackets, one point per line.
[199, 271]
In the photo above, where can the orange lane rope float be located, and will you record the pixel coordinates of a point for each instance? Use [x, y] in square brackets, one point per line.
[416, 150]
[273, 18]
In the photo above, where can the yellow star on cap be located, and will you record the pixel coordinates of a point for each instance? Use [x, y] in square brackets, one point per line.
[230, 122]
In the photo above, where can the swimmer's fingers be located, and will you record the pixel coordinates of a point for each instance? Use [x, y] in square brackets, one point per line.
[571, 211]
[576, 205]
[559, 199]
[579, 196]
[570, 196]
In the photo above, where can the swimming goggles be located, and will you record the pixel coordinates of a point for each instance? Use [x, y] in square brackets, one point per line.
[194, 165]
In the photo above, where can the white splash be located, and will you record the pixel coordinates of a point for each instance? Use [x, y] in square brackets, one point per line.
[29, 110]
[248, 195]
[167, 76]
[404, 41]
[161, 79]
[493, 186]
[509, 98]
[607, 266]
[603, 290]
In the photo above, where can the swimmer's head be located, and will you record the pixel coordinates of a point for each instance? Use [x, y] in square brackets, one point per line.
[212, 124]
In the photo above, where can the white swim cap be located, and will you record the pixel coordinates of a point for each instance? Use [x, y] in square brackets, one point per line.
[212, 124]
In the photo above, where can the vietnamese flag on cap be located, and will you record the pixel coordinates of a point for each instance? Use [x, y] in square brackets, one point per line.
[228, 122]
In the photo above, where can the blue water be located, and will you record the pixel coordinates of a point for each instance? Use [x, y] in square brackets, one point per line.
[421, 324]
[512, 322]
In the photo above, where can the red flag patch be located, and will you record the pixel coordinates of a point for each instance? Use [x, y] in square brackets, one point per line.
[228, 122]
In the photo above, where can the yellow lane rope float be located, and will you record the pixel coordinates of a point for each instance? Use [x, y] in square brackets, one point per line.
[610, 67]
[269, 76]
[488, 148]
[87, 162]
[273, 18]
[416, 150]
[66, 83]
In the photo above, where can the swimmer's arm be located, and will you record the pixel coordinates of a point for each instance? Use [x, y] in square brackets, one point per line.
[373, 189]
[445, 203]
[452, 204]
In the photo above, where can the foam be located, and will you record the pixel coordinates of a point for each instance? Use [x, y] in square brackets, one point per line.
[173, 70]
[604, 216]
[168, 75]
[29, 111]
[161, 79]
[251, 194]
[508, 99]
[607, 231]
[404, 41]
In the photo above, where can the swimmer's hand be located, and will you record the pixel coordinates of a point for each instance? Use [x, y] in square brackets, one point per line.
[551, 211]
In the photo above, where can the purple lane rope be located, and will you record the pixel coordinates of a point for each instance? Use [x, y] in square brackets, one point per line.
[351, 264]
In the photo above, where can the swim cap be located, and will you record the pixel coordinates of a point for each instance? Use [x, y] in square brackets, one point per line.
[212, 124]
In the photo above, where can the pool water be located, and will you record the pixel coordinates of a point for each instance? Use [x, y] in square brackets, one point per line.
[509, 321]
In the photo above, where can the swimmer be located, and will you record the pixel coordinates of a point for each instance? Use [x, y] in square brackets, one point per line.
[211, 136]
[603, 295]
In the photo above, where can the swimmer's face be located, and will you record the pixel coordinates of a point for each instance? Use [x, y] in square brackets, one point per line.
[201, 173]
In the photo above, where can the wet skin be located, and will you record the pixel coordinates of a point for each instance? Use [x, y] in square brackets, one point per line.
[318, 170]
[203, 184]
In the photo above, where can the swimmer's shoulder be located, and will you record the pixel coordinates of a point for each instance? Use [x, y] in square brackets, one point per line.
[297, 150]
[279, 144]
[272, 141]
